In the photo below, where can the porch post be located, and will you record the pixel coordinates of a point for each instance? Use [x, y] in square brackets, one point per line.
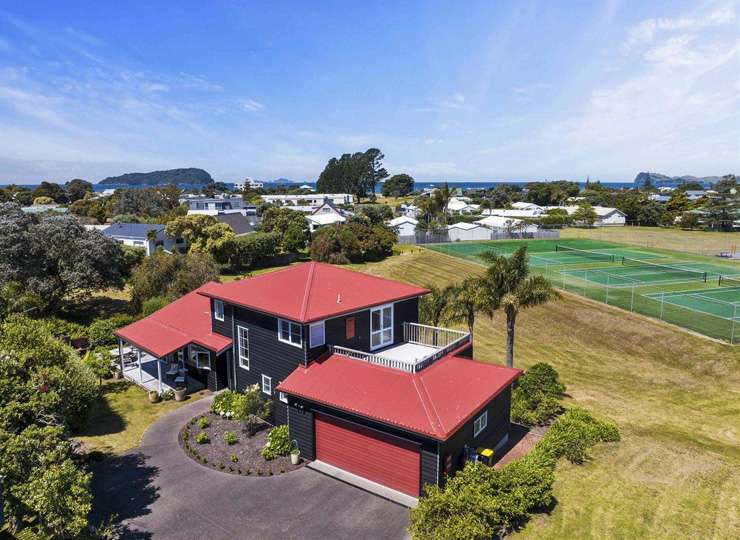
[120, 354]
[159, 373]
[138, 356]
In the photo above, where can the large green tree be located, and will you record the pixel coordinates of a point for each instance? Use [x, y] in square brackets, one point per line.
[397, 185]
[203, 234]
[45, 390]
[55, 257]
[357, 174]
[290, 224]
[170, 276]
[509, 286]
[77, 189]
[52, 190]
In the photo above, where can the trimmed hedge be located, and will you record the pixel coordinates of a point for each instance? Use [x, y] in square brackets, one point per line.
[537, 395]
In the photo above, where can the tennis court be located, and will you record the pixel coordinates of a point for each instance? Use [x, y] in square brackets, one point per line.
[719, 302]
[680, 288]
[633, 272]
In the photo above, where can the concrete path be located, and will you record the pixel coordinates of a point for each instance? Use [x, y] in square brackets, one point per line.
[156, 491]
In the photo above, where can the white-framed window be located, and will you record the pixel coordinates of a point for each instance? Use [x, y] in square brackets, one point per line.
[218, 310]
[316, 334]
[290, 332]
[200, 357]
[266, 385]
[381, 326]
[283, 397]
[480, 423]
[242, 346]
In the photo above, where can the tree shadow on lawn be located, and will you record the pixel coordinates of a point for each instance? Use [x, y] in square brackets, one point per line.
[104, 420]
[123, 489]
[97, 307]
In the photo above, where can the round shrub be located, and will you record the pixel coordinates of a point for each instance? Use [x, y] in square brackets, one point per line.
[278, 443]
[202, 437]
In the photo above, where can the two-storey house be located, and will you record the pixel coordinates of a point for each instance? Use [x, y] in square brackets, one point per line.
[362, 386]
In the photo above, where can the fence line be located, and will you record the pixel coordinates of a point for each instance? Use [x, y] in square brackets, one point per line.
[443, 237]
[638, 298]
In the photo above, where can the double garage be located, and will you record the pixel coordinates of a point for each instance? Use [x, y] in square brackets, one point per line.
[377, 456]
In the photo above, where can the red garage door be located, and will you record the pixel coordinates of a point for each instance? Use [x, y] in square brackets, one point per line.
[378, 457]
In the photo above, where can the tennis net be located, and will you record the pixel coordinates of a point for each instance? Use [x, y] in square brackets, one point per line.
[669, 272]
[596, 256]
[725, 281]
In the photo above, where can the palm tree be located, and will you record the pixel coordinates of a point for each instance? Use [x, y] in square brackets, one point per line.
[467, 299]
[432, 306]
[511, 288]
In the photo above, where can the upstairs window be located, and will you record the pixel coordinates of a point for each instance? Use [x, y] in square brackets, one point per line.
[316, 334]
[218, 310]
[480, 424]
[290, 332]
[381, 326]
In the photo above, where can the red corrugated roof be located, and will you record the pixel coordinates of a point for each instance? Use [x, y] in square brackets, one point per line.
[186, 320]
[435, 402]
[311, 291]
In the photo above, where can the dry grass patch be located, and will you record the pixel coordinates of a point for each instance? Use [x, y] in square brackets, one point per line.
[700, 242]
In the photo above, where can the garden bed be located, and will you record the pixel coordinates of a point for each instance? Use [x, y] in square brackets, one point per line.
[242, 457]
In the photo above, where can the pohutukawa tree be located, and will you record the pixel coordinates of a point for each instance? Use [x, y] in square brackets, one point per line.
[510, 287]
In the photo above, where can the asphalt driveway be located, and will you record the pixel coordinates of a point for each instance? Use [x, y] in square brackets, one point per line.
[158, 492]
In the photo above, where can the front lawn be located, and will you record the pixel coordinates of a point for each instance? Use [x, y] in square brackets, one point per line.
[121, 416]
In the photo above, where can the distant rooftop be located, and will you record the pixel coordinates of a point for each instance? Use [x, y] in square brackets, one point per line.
[132, 230]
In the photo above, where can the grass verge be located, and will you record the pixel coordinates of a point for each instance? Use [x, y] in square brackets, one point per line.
[121, 416]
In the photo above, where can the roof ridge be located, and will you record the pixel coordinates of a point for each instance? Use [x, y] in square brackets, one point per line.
[427, 404]
[307, 290]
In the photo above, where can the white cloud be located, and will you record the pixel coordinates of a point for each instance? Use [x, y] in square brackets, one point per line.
[645, 32]
[155, 87]
[433, 141]
[251, 105]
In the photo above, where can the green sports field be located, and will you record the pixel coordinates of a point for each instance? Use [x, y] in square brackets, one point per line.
[680, 288]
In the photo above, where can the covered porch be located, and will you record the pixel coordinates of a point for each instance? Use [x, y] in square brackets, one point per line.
[152, 373]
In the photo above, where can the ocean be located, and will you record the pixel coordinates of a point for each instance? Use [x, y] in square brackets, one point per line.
[417, 185]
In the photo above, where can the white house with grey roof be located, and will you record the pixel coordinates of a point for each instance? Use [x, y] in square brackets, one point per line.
[148, 236]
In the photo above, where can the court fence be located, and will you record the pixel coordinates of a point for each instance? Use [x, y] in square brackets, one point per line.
[651, 300]
[442, 236]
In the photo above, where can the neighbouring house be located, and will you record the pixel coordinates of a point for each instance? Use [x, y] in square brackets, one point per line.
[461, 205]
[522, 213]
[213, 206]
[659, 198]
[409, 210]
[326, 214]
[521, 205]
[404, 226]
[501, 224]
[467, 231]
[148, 236]
[248, 183]
[605, 216]
[239, 223]
[361, 385]
[315, 200]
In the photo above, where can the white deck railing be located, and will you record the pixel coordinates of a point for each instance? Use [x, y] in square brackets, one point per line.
[442, 339]
[431, 336]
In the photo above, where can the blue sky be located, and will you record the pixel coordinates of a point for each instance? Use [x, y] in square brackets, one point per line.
[448, 90]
